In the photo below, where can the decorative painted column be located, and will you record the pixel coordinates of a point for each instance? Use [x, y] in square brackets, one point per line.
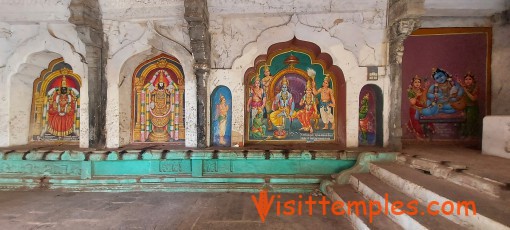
[86, 15]
[399, 31]
[197, 16]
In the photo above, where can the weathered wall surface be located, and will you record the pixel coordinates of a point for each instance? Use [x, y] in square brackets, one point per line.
[30, 48]
[501, 69]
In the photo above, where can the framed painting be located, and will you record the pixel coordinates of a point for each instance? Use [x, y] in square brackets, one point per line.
[294, 95]
[221, 117]
[446, 83]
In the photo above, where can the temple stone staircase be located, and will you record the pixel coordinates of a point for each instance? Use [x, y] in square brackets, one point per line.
[418, 182]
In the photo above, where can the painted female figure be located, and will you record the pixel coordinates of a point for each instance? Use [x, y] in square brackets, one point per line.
[61, 109]
[417, 98]
[309, 110]
[470, 128]
[222, 109]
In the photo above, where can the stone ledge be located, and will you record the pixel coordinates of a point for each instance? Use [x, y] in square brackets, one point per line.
[129, 155]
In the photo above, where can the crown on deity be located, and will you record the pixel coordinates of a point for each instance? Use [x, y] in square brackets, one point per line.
[308, 84]
[285, 81]
[222, 97]
[254, 79]
[366, 96]
[266, 67]
[64, 83]
[439, 70]
[416, 78]
[161, 77]
[327, 78]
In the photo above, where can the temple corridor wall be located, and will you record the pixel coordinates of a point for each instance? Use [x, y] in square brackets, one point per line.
[355, 41]
[355, 34]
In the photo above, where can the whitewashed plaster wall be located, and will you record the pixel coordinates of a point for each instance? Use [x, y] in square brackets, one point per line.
[131, 43]
[34, 11]
[500, 70]
[354, 40]
[29, 49]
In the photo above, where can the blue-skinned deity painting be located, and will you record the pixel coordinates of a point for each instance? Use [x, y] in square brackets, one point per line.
[444, 84]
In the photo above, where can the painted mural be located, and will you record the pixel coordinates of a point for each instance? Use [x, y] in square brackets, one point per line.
[55, 112]
[446, 73]
[221, 116]
[158, 101]
[292, 97]
[367, 116]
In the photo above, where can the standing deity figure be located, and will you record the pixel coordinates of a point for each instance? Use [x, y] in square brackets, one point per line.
[61, 109]
[266, 81]
[160, 110]
[327, 102]
[364, 122]
[283, 107]
[222, 109]
[256, 99]
[309, 110]
[471, 128]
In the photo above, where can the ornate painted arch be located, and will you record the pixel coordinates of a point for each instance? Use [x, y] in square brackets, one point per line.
[158, 101]
[300, 64]
[55, 114]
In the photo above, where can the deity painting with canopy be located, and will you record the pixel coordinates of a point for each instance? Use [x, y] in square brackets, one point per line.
[56, 104]
[291, 97]
[158, 92]
[447, 76]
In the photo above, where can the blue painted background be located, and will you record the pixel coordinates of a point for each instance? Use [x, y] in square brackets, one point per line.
[215, 99]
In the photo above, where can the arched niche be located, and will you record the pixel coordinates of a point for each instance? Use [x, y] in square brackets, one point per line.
[22, 92]
[370, 116]
[158, 101]
[316, 117]
[221, 117]
[55, 112]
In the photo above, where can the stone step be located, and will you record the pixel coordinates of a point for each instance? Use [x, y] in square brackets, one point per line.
[376, 190]
[491, 212]
[346, 194]
[457, 173]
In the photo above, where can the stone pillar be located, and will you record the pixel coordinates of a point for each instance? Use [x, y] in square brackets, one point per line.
[86, 15]
[197, 16]
[399, 31]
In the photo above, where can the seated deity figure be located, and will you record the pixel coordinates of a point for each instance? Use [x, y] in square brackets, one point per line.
[283, 107]
[160, 110]
[443, 94]
[309, 110]
[61, 110]
[258, 129]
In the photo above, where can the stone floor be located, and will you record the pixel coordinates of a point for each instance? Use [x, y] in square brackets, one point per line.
[63, 210]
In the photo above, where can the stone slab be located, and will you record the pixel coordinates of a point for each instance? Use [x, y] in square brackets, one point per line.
[496, 136]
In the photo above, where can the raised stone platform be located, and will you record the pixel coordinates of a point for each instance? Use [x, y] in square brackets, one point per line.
[170, 170]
